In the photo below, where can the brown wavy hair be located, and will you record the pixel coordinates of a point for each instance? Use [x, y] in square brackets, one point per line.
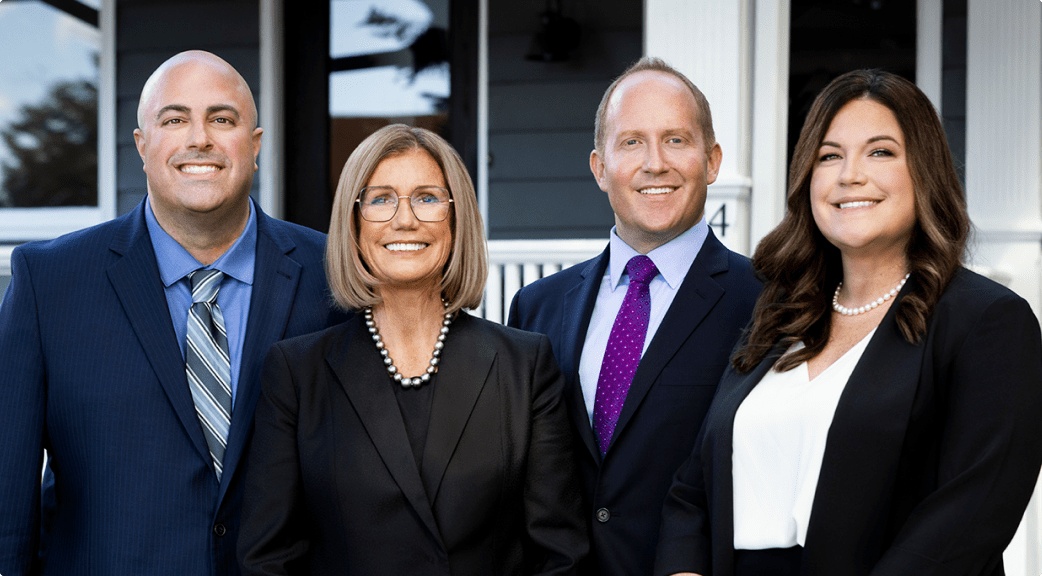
[800, 268]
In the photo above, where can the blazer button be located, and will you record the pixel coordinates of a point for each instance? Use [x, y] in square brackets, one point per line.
[603, 515]
[219, 529]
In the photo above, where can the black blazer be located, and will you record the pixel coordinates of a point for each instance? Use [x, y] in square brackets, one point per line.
[334, 487]
[667, 400]
[930, 460]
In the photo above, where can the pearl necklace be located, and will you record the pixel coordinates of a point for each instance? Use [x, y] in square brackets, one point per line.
[392, 370]
[861, 310]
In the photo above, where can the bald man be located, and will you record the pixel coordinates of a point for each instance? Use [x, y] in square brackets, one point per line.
[145, 418]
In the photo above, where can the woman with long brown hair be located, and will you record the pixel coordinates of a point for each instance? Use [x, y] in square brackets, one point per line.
[883, 414]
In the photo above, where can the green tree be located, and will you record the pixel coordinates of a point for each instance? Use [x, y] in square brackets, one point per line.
[54, 150]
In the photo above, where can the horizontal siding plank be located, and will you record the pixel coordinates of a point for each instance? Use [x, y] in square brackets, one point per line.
[522, 16]
[556, 209]
[604, 55]
[519, 156]
[549, 106]
[158, 25]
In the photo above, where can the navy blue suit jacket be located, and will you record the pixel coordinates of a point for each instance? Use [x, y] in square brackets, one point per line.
[667, 400]
[91, 371]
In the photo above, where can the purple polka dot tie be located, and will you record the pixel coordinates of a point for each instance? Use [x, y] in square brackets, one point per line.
[622, 355]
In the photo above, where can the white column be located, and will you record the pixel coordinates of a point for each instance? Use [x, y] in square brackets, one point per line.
[928, 53]
[272, 167]
[770, 117]
[1004, 139]
[107, 157]
[709, 41]
[482, 184]
[1004, 174]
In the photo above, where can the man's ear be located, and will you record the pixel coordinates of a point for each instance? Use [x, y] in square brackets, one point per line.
[716, 154]
[597, 167]
[139, 143]
[256, 146]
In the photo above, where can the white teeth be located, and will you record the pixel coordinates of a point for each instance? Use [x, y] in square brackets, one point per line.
[403, 247]
[656, 190]
[197, 169]
[859, 204]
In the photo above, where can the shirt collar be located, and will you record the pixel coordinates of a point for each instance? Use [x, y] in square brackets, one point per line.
[175, 262]
[673, 259]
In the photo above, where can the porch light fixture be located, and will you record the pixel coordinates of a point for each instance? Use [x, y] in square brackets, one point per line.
[557, 36]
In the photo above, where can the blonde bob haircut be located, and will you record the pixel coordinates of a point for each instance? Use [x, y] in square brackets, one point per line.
[465, 273]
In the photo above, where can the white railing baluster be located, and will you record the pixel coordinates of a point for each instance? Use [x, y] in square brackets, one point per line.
[511, 284]
[494, 294]
[517, 263]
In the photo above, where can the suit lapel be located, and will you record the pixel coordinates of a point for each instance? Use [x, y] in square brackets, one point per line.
[135, 279]
[275, 280]
[733, 390]
[466, 367]
[696, 297]
[364, 379]
[575, 321]
[863, 446]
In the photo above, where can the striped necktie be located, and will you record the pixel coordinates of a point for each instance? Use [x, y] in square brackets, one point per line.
[209, 370]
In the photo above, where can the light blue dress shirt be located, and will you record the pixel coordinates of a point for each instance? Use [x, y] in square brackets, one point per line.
[673, 259]
[237, 263]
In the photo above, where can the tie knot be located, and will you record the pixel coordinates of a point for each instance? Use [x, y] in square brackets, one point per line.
[205, 284]
[641, 269]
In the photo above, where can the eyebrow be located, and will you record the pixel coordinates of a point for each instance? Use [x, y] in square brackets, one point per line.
[210, 111]
[871, 140]
[645, 133]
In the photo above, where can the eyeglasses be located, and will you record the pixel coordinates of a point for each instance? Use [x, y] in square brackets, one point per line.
[380, 203]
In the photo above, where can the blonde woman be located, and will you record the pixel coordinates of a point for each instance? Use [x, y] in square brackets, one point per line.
[414, 438]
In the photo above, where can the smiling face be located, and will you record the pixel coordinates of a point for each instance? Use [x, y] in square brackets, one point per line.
[405, 252]
[197, 139]
[862, 195]
[654, 165]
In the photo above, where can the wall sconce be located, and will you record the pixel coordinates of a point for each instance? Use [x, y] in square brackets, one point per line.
[557, 35]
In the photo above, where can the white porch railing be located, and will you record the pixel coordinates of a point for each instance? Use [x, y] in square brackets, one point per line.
[5, 260]
[516, 263]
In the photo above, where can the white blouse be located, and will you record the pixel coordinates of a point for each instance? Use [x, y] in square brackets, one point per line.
[779, 442]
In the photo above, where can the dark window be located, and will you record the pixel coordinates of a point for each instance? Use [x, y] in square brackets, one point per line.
[389, 63]
[363, 64]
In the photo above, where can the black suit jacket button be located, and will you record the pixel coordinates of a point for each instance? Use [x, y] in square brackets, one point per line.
[219, 529]
[603, 515]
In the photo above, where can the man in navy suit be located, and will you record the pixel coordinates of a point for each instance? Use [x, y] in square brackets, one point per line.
[92, 348]
[655, 156]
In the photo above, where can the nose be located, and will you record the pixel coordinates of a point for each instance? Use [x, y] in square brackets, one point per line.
[198, 137]
[404, 218]
[851, 173]
[654, 159]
